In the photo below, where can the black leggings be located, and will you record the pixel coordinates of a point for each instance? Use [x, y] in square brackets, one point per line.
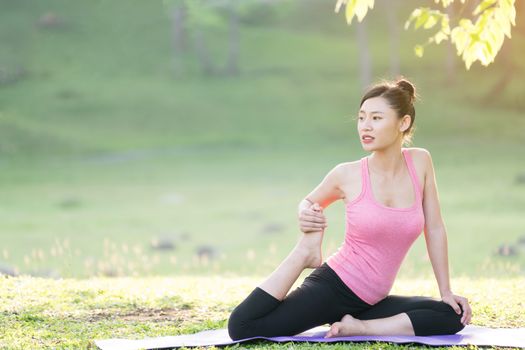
[324, 298]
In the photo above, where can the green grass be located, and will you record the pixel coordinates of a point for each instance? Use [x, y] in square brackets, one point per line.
[117, 211]
[67, 314]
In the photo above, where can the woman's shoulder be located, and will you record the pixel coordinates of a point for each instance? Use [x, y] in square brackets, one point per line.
[418, 151]
[348, 170]
[419, 155]
[349, 166]
[422, 161]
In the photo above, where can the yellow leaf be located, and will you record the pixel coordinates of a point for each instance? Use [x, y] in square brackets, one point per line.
[422, 17]
[465, 23]
[503, 21]
[415, 14]
[445, 26]
[445, 3]
[339, 4]
[488, 47]
[357, 8]
[439, 37]
[418, 50]
[483, 5]
[512, 13]
[362, 8]
[350, 10]
[468, 61]
[430, 22]
[460, 38]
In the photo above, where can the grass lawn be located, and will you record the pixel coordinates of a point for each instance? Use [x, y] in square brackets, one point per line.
[70, 314]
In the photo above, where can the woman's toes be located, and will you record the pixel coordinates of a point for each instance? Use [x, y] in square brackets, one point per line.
[334, 330]
[348, 326]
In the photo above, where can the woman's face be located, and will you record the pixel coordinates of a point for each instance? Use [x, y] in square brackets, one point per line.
[378, 125]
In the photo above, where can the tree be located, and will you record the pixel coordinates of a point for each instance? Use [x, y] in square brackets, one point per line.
[390, 11]
[476, 39]
[197, 17]
[178, 14]
[232, 65]
[365, 63]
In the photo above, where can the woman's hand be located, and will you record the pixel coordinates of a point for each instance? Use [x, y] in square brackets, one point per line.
[456, 301]
[312, 219]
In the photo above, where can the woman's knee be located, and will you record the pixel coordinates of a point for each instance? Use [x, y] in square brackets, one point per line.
[439, 319]
[454, 322]
[243, 319]
[238, 326]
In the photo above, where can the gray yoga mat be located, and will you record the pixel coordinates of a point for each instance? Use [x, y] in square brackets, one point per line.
[470, 335]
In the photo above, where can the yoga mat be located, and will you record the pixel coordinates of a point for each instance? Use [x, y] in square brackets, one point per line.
[470, 335]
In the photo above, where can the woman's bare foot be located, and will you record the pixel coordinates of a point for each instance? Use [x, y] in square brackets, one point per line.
[310, 247]
[346, 327]
[310, 244]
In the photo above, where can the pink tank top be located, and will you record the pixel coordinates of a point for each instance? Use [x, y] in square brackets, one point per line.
[377, 239]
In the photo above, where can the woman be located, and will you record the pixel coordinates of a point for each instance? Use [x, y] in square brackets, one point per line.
[390, 197]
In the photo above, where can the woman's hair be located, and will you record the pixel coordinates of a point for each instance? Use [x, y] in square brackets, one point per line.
[401, 95]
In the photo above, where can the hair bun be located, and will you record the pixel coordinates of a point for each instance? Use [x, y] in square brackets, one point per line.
[407, 86]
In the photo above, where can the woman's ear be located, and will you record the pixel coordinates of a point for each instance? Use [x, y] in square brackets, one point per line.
[405, 123]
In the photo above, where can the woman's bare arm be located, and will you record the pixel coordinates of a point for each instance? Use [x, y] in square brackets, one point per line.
[436, 239]
[329, 190]
[435, 232]
[311, 217]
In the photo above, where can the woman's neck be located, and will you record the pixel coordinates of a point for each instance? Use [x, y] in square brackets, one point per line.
[388, 162]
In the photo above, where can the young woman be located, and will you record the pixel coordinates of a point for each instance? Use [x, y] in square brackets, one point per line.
[390, 198]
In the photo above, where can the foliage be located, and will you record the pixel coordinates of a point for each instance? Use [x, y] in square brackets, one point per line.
[359, 8]
[475, 40]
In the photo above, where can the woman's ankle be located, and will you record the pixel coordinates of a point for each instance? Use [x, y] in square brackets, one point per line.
[309, 248]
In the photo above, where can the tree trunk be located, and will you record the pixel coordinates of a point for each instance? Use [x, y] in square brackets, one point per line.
[232, 63]
[509, 71]
[393, 33]
[520, 18]
[450, 63]
[365, 65]
[179, 39]
[203, 54]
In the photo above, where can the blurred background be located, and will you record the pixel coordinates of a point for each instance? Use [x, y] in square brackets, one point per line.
[166, 138]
